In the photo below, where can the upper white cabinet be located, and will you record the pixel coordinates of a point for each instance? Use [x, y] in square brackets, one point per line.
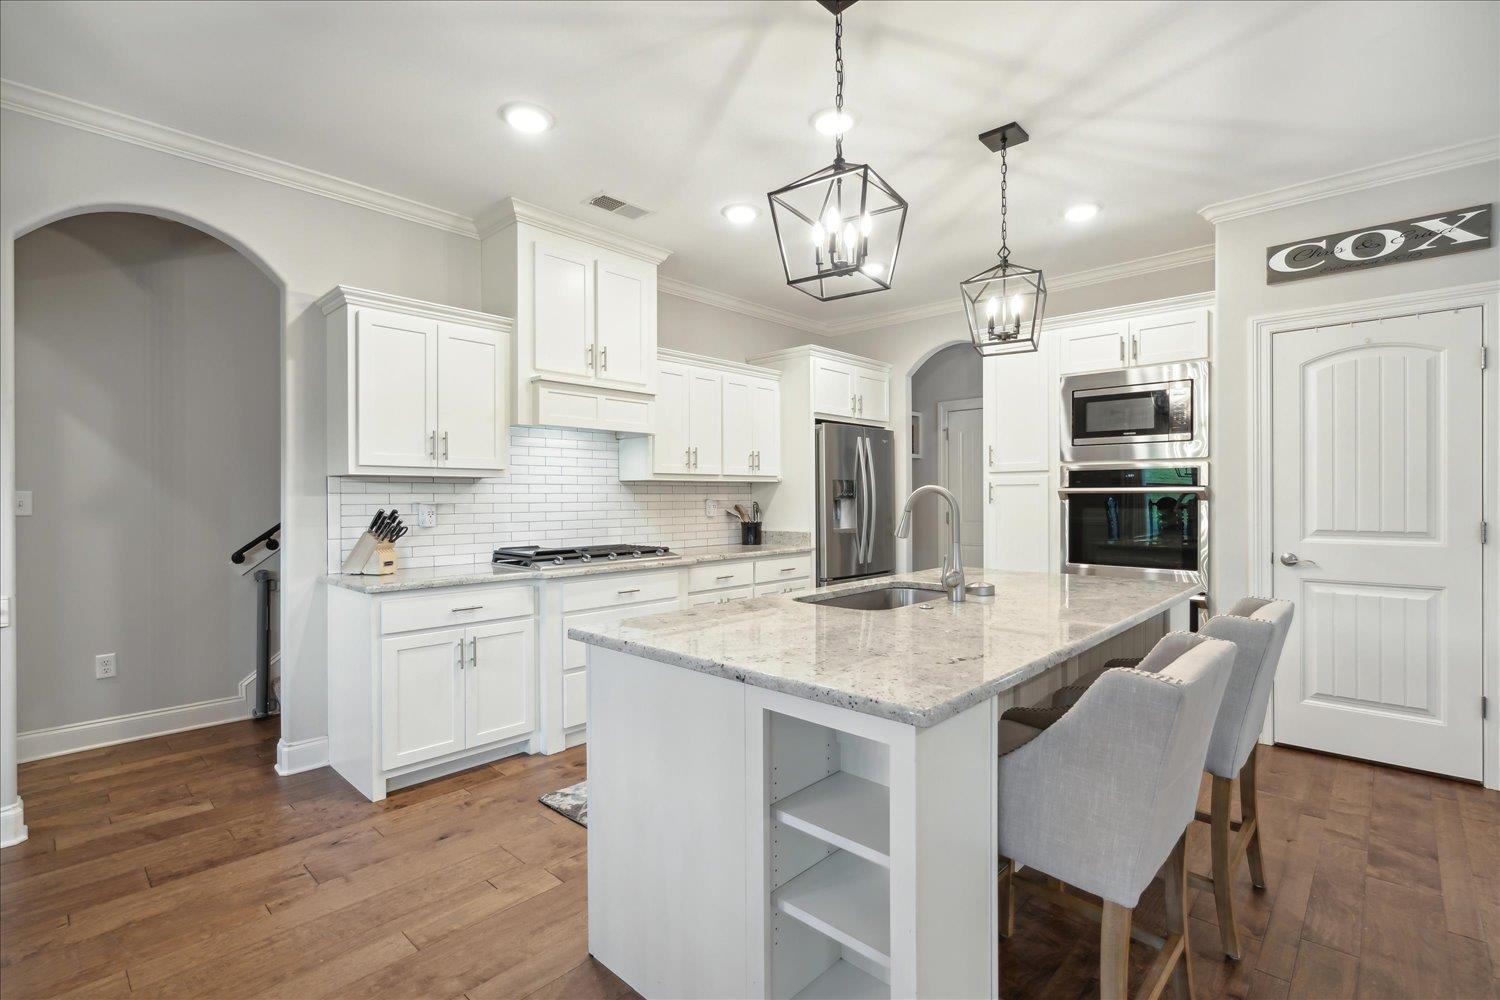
[1020, 405]
[850, 388]
[414, 387]
[714, 420]
[584, 299]
[1152, 339]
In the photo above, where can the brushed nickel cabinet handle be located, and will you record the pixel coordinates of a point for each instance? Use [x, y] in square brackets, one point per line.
[445, 446]
[432, 444]
[1122, 350]
[473, 651]
[589, 353]
[726, 576]
[471, 607]
[604, 359]
[460, 654]
[632, 590]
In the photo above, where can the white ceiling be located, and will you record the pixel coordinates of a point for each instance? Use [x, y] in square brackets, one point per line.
[1154, 110]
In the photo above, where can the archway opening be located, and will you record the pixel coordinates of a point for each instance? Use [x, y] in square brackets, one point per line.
[148, 415]
[947, 449]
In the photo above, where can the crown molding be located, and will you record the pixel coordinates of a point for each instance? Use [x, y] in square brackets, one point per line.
[723, 364]
[817, 350]
[1077, 279]
[1406, 168]
[744, 307]
[513, 210]
[91, 118]
[346, 295]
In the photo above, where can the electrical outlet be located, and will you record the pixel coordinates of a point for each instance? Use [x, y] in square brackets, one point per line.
[23, 503]
[427, 515]
[104, 666]
[711, 508]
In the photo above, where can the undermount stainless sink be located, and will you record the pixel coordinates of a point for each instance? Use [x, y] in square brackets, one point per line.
[881, 599]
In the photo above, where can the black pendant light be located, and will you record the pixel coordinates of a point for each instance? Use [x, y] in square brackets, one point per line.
[1004, 304]
[840, 227]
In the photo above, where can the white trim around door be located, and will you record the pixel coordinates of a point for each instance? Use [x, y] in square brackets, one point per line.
[946, 408]
[1486, 297]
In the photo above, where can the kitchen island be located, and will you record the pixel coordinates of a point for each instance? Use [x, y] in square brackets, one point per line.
[796, 799]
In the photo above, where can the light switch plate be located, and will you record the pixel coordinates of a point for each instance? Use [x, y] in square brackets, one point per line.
[23, 503]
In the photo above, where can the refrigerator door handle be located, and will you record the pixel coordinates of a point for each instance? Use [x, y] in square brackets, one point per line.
[859, 502]
[874, 495]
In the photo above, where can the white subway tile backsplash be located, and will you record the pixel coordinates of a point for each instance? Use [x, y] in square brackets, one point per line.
[564, 488]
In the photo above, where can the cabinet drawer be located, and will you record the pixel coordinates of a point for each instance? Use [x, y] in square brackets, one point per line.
[461, 607]
[716, 576]
[576, 654]
[783, 568]
[619, 589]
[782, 587]
[720, 596]
[575, 698]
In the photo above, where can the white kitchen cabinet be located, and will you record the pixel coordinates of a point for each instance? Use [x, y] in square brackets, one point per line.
[715, 421]
[1091, 348]
[872, 395]
[575, 653]
[500, 682]
[584, 299]
[422, 697]
[1020, 404]
[1163, 338]
[833, 387]
[850, 388]
[415, 388]
[1017, 530]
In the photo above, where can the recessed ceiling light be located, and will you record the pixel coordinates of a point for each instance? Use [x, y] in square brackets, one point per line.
[526, 118]
[1081, 213]
[831, 122]
[740, 215]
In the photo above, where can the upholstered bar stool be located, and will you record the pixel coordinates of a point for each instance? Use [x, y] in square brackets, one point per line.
[1101, 799]
[1258, 627]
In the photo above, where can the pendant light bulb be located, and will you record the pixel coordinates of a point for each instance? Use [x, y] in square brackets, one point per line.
[866, 224]
[819, 234]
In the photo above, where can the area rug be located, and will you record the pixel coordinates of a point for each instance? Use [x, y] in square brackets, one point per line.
[572, 802]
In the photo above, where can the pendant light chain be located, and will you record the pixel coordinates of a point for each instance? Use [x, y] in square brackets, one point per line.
[838, 77]
[1004, 207]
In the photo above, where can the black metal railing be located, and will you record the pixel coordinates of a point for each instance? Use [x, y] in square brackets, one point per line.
[272, 544]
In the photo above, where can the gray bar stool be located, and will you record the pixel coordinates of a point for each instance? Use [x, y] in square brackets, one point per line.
[1257, 626]
[1101, 799]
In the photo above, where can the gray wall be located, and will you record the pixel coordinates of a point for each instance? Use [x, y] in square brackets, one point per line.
[952, 373]
[1243, 295]
[686, 325]
[148, 364]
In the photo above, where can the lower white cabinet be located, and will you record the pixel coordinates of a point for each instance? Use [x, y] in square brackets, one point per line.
[576, 657]
[1017, 519]
[500, 683]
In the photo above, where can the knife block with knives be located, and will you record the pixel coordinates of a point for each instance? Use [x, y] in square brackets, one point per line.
[375, 552]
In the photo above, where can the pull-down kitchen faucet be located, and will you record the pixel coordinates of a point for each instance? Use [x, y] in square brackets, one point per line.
[953, 565]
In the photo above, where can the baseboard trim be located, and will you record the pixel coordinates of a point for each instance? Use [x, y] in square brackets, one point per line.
[12, 824]
[296, 756]
[39, 744]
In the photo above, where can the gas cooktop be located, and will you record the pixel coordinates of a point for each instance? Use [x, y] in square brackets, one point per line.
[536, 557]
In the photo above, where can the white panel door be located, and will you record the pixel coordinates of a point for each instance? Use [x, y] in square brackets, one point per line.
[1167, 337]
[1017, 533]
[562, 309]
[499, 694]
[671, 451]
[739, 426]
[1092, 348]
[833, 388]
[1378, 497]
[1022, 402]
[963, 474]
[422, 697]
[471, 404]
[396, 389]
[766, 426]
[626, 321]
[706, 420]
[872, 393]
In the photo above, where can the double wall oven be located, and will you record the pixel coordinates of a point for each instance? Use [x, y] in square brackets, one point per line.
[1134, 488]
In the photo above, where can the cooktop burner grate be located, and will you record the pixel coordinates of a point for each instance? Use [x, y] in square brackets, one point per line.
[535, 556]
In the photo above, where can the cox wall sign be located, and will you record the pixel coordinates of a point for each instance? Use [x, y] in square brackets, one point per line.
[1392, 243]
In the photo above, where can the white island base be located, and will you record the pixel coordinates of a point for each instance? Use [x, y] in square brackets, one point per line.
[745, 842]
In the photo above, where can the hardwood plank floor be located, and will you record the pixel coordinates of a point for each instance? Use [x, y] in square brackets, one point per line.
[183, 866]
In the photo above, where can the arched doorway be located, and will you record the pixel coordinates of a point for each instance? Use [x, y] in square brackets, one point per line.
[947, 435]
[148, 412]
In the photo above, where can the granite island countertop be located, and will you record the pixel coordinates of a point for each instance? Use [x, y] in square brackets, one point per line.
[916, 665]
[470, 574]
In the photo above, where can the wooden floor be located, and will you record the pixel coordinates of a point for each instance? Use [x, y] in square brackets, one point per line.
[183, 866]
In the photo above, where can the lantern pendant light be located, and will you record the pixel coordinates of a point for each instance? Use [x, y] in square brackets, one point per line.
[839, 228]
[1005, 303]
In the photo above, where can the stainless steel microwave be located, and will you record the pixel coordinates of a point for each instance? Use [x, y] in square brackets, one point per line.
[1141, 414]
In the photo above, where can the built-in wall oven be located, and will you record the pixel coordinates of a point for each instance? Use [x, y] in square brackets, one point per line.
[1142, 414]
[1136, 520]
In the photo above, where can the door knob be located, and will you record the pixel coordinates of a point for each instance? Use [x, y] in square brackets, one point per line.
[1289, 559]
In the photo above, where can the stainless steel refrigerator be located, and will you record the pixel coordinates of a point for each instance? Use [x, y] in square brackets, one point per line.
[856, 483]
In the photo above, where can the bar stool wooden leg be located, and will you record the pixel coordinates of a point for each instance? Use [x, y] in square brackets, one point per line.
[1007, 899]
[1249, 813]
[1220, 836]
[1176, 913]
[1114, 952]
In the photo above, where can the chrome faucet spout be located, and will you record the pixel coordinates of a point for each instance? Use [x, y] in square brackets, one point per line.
[953, 565]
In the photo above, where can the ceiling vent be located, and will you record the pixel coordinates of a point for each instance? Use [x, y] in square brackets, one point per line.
[614, 206]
